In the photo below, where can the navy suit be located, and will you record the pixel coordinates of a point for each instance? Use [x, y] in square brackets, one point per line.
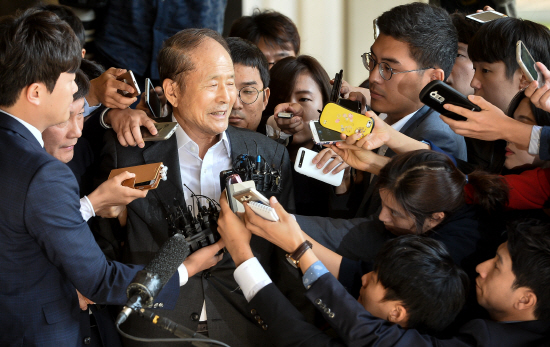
[46, 248]
[357, 327]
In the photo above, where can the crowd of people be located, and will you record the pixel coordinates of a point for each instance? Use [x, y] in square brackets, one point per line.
[438, 234]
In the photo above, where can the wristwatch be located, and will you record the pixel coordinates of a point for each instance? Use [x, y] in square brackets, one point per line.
[294, 258]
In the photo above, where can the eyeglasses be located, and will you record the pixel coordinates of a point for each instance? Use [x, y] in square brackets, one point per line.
[385, 70]
[249, 95]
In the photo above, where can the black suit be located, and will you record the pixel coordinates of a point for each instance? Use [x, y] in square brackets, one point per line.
[357, 327]
[147, 229]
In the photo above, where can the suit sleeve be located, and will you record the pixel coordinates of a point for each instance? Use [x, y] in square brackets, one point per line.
[53, 219]
[284, 324]
[544, 149]
[287, 195]
[337, 306]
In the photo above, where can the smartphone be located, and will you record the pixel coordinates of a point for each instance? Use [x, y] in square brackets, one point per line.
[351, 105]
[128, 78]
[232, 188]
[528, 64]
[322, 135]
[336, 86]
[486, 16]
[250, 194]
[437, 93]
[342, 120]
[152, 99]
[286, 115]
[304, 166]
[164, 131]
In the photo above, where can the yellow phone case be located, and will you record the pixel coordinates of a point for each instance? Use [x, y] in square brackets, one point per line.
[342, 120]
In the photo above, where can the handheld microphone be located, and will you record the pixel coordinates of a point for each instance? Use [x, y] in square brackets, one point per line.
[148, 282]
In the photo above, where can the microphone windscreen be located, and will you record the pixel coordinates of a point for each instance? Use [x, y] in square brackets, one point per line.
[169, 257]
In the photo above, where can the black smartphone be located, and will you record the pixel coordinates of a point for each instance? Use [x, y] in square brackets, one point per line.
[437, 93]
[336, 86]
[351, 105]
[152, 99]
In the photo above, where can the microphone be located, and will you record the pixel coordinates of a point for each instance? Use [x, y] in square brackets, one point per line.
[148, 282]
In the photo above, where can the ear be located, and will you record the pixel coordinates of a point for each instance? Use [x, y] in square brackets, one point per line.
[526, 301]
[83, 52]
[523, 82]
[399, 315]
[171, 91]
[437, 74]
[267, 92]
[34, 92]
[433, 220]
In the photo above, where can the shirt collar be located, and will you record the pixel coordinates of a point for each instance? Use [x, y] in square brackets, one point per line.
[183, 140]
[34, 131]
[400, 123]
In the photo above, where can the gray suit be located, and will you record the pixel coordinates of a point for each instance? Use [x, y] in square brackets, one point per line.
[147, 229]
[365, 234]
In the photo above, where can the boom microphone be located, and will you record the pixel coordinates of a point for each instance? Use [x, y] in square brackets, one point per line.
[148, 282]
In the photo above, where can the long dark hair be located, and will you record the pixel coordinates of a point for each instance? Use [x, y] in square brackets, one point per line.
[284, 75]
[424, 182]
[542, 117]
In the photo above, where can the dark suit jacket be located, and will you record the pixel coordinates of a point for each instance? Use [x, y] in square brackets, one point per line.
[46, 248]
[357, 327]
[147, 229]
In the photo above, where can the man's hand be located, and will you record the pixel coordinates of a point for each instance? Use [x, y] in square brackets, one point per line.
[126, 123]
[204, 258]
[285, 233]
[489, 124]
[105, 88]
[359, 158]
[293, 125]
[540, 97]
[111, 211]
[323, 156]
[234, 233]
[112, 193]
[83, 301]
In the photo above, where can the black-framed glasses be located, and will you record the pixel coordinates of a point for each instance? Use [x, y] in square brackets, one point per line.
[249, 95]
[385, 70]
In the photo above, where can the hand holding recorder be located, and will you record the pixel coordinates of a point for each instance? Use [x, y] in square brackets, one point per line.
[105, 89]
[291, 125]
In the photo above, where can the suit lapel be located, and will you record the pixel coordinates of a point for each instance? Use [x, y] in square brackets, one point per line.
[7, 121]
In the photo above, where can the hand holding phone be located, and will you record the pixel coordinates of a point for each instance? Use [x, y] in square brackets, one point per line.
[438, 93]
[528, 64]
[342, 120]
[257, 202]
[322, 135]
[164, 131]
[304, 165]
[128, 78]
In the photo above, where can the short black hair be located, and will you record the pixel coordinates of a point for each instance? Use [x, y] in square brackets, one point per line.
[174, 59]
[248, 54]
[67, 15]
[83, 84]
[427, 29]
[273, 27]
[35, 46]
[496, 41]
[465, 28]
[419, 272]
[91, 68]
[542, 117]
[529, 247]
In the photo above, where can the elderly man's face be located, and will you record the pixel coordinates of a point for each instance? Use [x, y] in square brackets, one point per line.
[203, 105]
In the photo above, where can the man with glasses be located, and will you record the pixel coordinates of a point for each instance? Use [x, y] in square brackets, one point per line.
[252, 82]
[198, 80]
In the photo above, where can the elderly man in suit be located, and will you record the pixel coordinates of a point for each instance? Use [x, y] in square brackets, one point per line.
[47, 251]
[197, 76]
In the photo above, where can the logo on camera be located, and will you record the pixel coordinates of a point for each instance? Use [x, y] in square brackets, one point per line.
[435, 95]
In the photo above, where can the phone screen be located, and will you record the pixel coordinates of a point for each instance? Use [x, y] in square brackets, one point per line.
[528, 61]
[152, 100]
[486, 16]
[325, 134]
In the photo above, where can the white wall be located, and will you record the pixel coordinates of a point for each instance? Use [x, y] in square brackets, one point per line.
[335, 32]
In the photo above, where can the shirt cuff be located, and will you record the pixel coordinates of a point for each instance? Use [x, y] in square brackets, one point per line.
[89, 109]
[534, 142]
[86, 208]
[251, 277]
[313, 273]
[102, 121]
[184, 275]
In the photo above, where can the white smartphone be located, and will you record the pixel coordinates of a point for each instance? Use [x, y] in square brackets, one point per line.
[152, 99]
[322, 135]
[528, 64]
[486, 16]
[304, 166]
